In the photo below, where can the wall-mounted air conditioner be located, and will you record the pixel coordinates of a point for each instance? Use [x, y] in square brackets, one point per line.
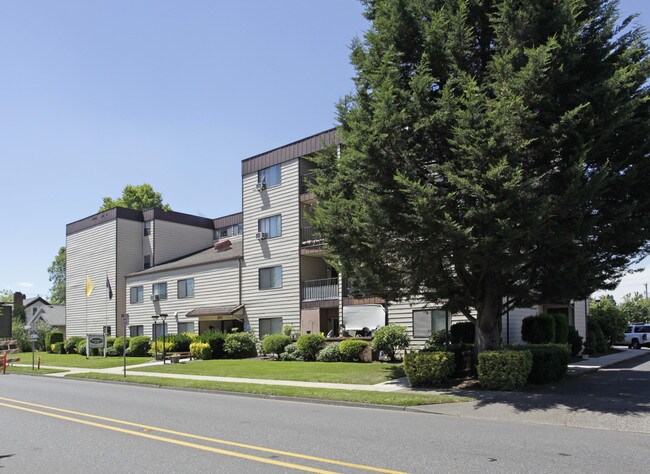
[155, 297]
[261, 235]
[261, 186]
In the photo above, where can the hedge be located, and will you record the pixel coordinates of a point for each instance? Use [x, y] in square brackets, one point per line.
[504, 370]
[71, 344]
[139, 346]
[426, 369]
[275, 344]
[119, 343]
[183, 340]
[351, 349]
[52, 338]
[550, 362]
[575, 341]
[240, 345]
[330, 353]
[201, 350]
[58, 348]
[390, 339]
[538, 329]
[215, 339]
[309, 345]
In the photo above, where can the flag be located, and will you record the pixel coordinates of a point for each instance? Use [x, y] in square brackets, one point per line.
[110, 290]
[89, 286]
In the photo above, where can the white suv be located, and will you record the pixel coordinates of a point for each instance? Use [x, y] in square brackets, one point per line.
[637, 335]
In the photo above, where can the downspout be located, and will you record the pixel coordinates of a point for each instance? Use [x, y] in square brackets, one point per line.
[240, 281]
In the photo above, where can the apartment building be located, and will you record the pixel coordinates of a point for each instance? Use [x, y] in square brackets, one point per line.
[255, 270]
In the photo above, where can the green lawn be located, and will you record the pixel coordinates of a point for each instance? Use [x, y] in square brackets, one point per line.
[28, 370]
[333, 372]
[76, 360]
[357, 396]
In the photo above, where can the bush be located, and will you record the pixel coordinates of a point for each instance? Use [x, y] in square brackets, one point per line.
[240, 345]
[460, 351]
[201, 350]
[111, 352]
[390, 339]
[81, 346]
[182, 341]
[52, 338]
[351, 349]
[309, 345]
[575, 341]
[464, 332]
[538, 329]
[70, 344]
[275, 344]
[291, 353]
[590, 343]
[428, 368]
[610, 319]
[139, 346]
[215, 339]
[58, 348]
[561, 328]
[550, 362]
[119, 344]
[330, 353]
[287, 329]
[110, 341]
[504, 370]
[157, 347]
[436, 341]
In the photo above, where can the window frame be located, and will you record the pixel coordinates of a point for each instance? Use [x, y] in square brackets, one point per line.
[431, 311]
[139, 330]
[274, 171]
[270, 322]
[271, 277]
[179, 285]
[139, 294]
[265, 223]
[162, 284]
[184, 323]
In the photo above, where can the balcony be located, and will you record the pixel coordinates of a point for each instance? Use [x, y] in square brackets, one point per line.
[310, 238]
[306, 181]
[318, 290]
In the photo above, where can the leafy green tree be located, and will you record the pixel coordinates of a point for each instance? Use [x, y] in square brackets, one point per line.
[635, 308]
[57, 277]
[139, 197]
[609, 317]
[494, 155]
[6, 296]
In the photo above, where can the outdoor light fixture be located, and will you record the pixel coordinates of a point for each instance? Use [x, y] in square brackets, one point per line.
[163, 317]
[155, 333]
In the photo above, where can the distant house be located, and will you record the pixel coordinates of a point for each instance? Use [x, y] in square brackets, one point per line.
[38, 309]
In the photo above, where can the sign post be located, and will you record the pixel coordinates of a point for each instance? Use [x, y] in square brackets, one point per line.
[125, 323]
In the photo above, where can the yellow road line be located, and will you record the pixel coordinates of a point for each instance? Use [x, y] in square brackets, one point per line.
[192, 436]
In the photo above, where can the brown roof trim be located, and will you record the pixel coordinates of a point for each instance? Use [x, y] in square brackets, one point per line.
[177, 217]
[302, 147]
[103, 217]
[228, 220]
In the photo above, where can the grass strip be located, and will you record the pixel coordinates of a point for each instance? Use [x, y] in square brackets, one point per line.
[403, 399]
[76, 360]
[29, 371]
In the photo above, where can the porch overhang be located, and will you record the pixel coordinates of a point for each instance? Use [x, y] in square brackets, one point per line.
[218, 313]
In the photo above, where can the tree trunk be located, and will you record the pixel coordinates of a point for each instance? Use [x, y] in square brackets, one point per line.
[488, 329]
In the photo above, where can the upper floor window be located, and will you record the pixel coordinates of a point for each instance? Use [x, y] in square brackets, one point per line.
[270, 176]
[271, 226]
[270, 277]
[186, 288]
[147, 228]
[137, 293]
[159, 291]
[228, 231]
[147, 261]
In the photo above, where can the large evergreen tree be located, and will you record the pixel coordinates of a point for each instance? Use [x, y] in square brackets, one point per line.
[495, 154]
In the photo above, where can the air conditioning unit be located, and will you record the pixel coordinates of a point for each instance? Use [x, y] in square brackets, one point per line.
[261, 235]
[261, 186]
[155, 297]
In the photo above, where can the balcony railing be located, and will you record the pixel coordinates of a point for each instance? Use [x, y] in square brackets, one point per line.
[307, 180]
[317, 290]
[310, 238]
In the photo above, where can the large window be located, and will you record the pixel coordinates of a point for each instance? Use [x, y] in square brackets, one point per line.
[425, 321]
[270, 277]
[271, 226]
[137, 293]
[186, 327]
[271, 176]
[159, 291]
[228, 231]
[186, 288]
[136, 331]
[270, 326]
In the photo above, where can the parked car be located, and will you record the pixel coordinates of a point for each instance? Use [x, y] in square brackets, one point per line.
[637, 335]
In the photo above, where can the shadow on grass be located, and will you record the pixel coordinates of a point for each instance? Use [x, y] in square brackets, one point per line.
[619, 390]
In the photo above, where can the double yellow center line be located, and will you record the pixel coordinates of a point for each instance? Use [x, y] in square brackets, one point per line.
[147, 430]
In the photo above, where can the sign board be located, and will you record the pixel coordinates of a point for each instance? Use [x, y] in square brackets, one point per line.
[33, 337]
[95, 341]
[125, 320]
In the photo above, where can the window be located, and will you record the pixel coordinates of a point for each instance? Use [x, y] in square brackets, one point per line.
[270, 277]
[270, 326]
[147, 261]
[271, 176]
[425, 321]
[186, 288]
[159, 290]
[229, 231]
[137, 293]
[186, 327]
[272, 226]
[106, 330]
[136, 331]
[34, 309]
[147, 228]
[158, 330]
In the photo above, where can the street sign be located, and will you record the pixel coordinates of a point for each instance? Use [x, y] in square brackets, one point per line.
[125, 320]
[33, 337]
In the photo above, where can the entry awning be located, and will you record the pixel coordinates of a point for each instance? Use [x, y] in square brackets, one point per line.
[218, 313]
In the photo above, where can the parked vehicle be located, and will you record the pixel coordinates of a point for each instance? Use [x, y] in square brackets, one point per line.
[637, 335]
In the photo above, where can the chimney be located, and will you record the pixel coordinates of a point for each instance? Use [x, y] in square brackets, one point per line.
[222, 245]
[19, 299]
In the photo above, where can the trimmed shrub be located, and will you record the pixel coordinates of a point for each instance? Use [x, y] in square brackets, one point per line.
[52, 338]
[561, 328]
[215, 339]
[330, 353]
[575, 341]
[182, 341]
[111, 352]
[58, 348]
[287, 329]
[119, 343]
[309, 345]
[426, 369]
[81, 346]
[351, 349]
[504, 370]
[156, 347]
[590, 343]
[240, 345]
[538, 329]
[460, 351]
[390, 339]
[110, 341]
[464, 332]
[71, 344]
[550, 362]
[139, 346]
[436, 341]
[201, 350]
[291, 353]
[275, 344]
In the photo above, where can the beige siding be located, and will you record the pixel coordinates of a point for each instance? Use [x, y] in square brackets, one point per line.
[511, 324]
[130, 246]
[215, 284]
[92, 252]
[581, 309]
[147, 241]
[284, 251]
[172, 240]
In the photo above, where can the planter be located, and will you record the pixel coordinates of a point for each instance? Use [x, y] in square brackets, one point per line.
[175, 358]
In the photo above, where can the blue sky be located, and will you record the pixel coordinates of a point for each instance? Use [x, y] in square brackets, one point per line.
[97, 95]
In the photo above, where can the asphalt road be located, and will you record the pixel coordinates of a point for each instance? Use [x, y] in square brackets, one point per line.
[185, 431]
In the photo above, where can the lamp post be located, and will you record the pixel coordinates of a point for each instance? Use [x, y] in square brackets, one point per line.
[163, 317]
[155, 334]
